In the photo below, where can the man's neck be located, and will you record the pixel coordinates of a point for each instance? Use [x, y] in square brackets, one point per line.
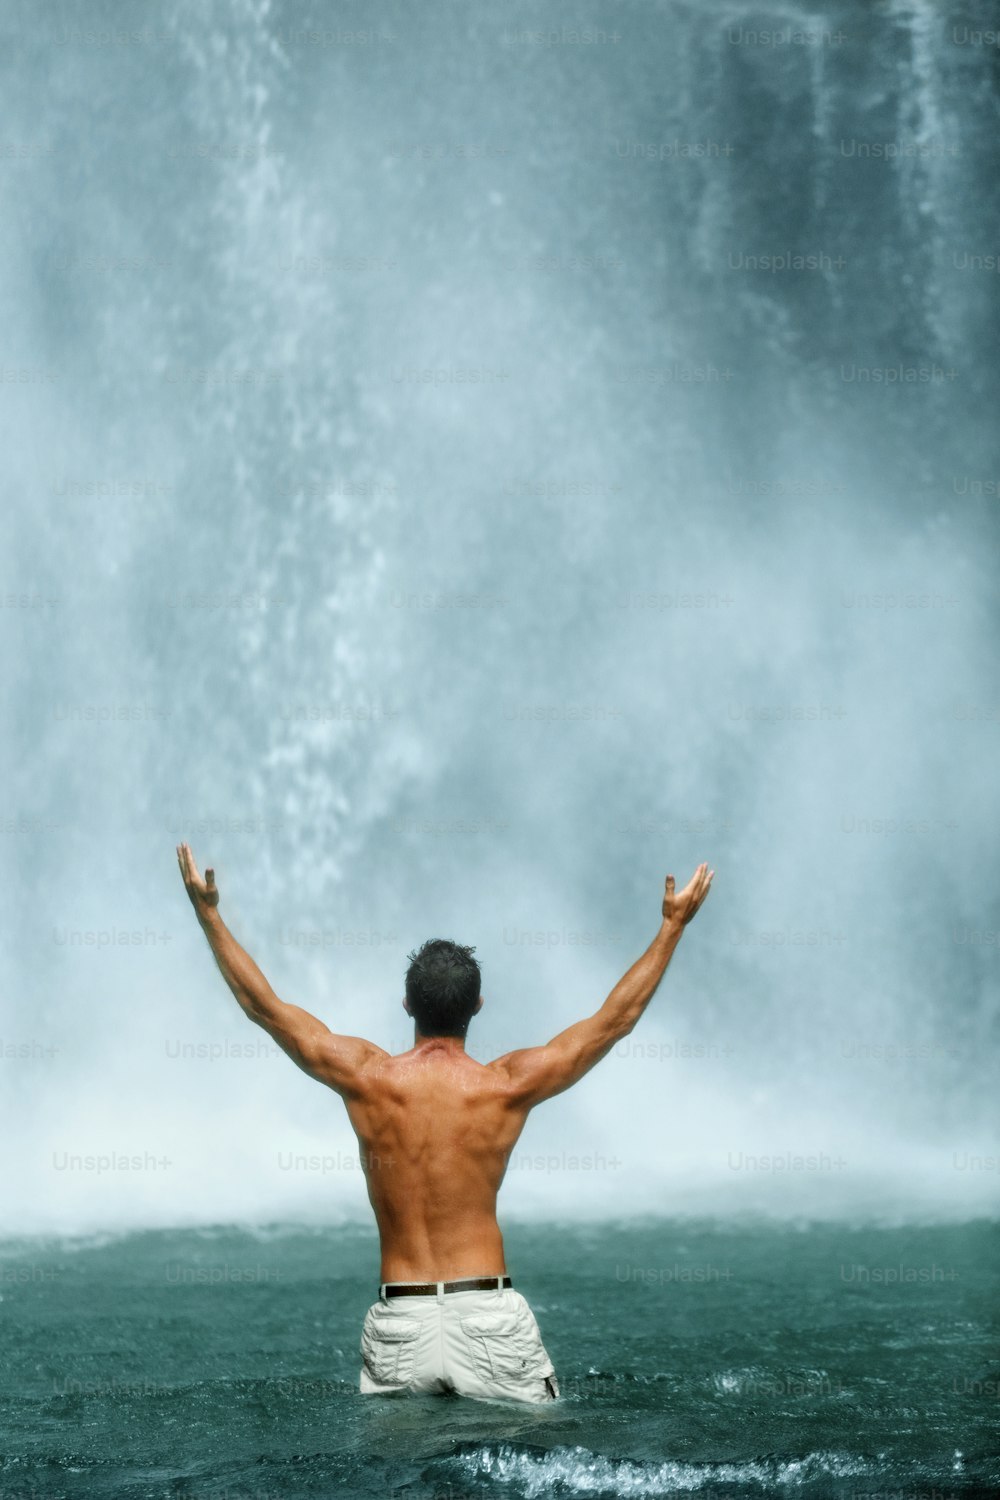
[453, 1044]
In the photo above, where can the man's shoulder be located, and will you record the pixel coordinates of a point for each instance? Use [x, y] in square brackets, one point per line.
[489, 1076]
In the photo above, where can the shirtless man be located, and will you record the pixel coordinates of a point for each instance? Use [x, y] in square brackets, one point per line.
[435, 1130]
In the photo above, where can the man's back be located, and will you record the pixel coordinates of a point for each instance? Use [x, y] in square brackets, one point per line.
[435, 1130]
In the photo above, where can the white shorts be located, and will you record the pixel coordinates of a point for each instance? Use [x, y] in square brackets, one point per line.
[484, 1344]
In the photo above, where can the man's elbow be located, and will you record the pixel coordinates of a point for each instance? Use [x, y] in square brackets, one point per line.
[616, 1028]
[245, 1001]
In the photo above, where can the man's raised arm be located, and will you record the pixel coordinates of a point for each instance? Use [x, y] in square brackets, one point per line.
[334, 1060]
[536, 1073]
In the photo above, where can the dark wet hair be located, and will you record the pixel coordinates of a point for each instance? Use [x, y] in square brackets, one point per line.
[442, 987]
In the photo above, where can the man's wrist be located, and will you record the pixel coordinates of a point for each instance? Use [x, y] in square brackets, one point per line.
[209, 918]
[671, 929]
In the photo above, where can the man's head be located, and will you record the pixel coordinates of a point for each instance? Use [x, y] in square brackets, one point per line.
[442, 988]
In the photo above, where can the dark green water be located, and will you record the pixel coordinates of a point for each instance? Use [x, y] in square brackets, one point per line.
[694, 1359]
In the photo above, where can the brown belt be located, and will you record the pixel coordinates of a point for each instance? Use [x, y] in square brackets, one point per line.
[429, 1288]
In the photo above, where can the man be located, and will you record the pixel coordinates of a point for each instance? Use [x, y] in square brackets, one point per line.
[435, 1130]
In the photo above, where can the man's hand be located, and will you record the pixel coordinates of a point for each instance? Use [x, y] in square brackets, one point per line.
[204, 893]
[680, 908]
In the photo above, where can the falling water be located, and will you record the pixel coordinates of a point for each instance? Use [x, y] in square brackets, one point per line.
[429, 508]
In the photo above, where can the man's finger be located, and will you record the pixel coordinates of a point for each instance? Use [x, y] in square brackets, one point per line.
[210, 879]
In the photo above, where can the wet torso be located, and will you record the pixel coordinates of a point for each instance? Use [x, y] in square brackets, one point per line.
[435, 1130]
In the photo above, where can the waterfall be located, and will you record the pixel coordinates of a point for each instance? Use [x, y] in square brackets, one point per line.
[453, 479]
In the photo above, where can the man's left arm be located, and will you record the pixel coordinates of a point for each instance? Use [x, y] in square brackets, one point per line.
[337, 1061]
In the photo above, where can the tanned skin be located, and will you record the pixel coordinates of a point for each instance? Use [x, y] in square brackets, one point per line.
[434, 1126]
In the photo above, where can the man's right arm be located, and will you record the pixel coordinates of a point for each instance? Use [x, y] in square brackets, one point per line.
[537, 1073]
[338, 1061]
